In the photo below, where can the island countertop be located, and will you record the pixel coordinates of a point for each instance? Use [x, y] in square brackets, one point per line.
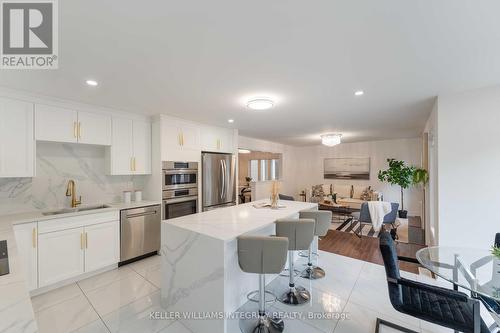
[230, 222]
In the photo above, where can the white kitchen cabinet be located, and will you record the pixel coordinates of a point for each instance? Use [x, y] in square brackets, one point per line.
[27, 245]
[179, 139]
[102, 245]
[217, 139]
[190, 136]
[130, 151]
[61, 255]
[55, 124]
[94, 128]
[64, 125]
[122, 147]
[142, 147]
[17, 148]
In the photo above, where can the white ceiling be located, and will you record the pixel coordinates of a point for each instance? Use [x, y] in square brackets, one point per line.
[201, 59]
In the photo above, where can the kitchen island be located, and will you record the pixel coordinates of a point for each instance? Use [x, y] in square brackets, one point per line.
[200, 271]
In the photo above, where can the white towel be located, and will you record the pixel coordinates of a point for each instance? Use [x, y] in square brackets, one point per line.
[378, 210]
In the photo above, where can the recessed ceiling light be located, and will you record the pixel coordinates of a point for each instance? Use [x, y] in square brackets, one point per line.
[244, 151]
[359, 93]
[331, 140]
[230, 121]
[260, 104]
[92, 83]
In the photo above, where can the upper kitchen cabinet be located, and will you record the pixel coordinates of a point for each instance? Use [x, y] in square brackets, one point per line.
[179, 140]
[55, 124]
[217, 139]
[130, 151]
[94, 129]
[141, 133]
[64, 125]
[16, 139]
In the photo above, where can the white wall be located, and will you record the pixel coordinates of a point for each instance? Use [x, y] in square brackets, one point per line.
[309, 166]
[469, 163]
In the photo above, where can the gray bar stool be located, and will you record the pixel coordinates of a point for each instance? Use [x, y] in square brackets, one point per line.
[300, 233]
[323, 219]
[262, 255]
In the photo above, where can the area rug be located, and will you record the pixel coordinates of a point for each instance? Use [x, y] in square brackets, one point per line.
[367, 229]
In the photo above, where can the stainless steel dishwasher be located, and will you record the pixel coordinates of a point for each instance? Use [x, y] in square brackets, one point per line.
[139, 233]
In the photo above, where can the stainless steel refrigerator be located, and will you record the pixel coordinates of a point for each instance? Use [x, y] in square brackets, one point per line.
[218, 180]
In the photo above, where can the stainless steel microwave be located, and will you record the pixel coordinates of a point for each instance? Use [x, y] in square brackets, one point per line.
[179, 175]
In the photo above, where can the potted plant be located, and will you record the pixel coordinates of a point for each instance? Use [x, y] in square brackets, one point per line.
[403, 175]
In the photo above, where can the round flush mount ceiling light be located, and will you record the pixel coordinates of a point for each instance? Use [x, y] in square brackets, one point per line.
[359, 93]
[331, 140]
[230, 121]
[244, 151]
[261, 103]
[91, 83]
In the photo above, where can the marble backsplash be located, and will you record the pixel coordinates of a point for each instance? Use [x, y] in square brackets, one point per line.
[56, 163]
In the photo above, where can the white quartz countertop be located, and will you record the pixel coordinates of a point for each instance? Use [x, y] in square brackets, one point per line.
[16, 312]
[230, 222]
[38, 216]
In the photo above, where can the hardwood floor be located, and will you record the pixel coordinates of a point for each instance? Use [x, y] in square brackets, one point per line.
[366, 248]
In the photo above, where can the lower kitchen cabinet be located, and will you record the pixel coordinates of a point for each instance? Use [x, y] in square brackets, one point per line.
[27, 244]
[61, 256]
[60, 249]
[102, 245]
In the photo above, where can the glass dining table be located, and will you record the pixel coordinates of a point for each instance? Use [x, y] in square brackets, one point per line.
[472, 269]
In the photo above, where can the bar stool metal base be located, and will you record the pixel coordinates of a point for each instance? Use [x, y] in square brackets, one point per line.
[313, 273]
[286, 272]
[251, 296]
[305, 254]
[295, 296]
[263, 324]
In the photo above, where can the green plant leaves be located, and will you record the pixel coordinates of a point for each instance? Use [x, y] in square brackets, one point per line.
[399, 173]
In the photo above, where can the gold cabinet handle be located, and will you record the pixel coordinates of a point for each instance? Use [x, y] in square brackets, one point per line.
[33, 238]
[75, 129]
[79, 130]
[81, 241]
[135, 167]
[131, 164]
[86, 240]
[179, 139]
[182, 139]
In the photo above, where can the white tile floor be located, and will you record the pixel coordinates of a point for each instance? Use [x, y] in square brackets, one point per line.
[121, 301]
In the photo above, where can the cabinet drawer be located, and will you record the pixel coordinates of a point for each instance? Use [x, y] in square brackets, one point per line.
[58, 224]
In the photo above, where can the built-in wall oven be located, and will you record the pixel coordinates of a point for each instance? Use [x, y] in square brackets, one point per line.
[180, 175]
[180, 189]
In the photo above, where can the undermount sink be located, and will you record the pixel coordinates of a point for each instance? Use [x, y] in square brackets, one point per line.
[75, 210]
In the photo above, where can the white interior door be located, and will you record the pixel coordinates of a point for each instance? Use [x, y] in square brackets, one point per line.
[60, 256]
[16, 139]
[55, 124]
[94, 128]
[102, 245]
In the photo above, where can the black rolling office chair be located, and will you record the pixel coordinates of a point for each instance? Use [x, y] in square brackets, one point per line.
[444, 307]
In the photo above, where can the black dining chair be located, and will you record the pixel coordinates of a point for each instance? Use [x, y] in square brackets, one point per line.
[444, 307]
[497, 240]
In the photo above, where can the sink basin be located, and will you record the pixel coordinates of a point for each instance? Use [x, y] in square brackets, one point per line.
[74, 210]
